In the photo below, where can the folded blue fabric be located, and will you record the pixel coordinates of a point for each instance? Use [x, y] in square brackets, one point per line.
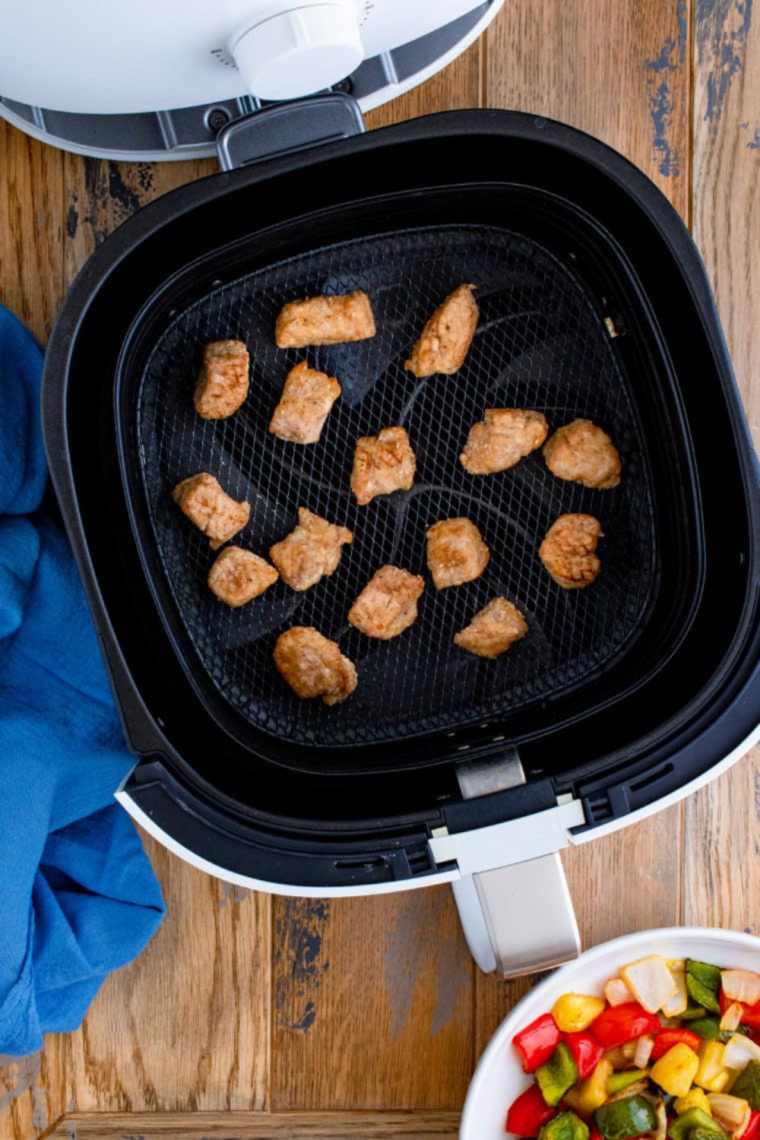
[79, 897]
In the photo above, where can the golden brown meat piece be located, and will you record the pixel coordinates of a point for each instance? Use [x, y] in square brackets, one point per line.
[447, 336]
[325, 320]
[583, 453]
[567, 552]
[311, 552]
[304, 404]
[456, 552]
[238, 576]
[212, 510]
[388, 603]
[382, 463]
[501, 439]
[314, 666]
[222, 383]
[493, 629]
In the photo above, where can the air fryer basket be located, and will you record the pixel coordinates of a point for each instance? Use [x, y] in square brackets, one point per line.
[541, 343]
[620, 693]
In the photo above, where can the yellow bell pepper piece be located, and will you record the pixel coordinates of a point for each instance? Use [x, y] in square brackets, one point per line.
[590, 1094]
[675, 1070]
[712, 1073]
[695, 1098]
[575, 1012]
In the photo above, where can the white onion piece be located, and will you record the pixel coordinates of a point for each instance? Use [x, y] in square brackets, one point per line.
[644, 1046]
[731, 1019]
[677, 1004]
[741, 985]
[651, 981]
[617, 992]
[661, 1131]
[739, 1051]
[731, 1111]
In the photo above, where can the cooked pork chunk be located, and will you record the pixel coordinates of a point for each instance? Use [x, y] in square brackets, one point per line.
[493, 629]
[311, 552]
[314, 666]
[447, 336]
[456, 552]
[238, 576]
[567, 552]
[583, 453]
[222, 383]
[501, 439]
[325, 320]
[388, 603]
[382, 463]
[213, 511]
[304, 404]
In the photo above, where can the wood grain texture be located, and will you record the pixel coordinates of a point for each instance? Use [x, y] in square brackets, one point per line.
[186, 1026]
[619, 71]
[31, 229]
[383, 988]
[722, 833]
[245, 1126]
[34, 1091]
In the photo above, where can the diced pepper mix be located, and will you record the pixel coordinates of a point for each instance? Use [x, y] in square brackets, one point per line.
[698, 1072]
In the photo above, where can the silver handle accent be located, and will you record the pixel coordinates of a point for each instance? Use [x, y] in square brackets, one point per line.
[519, 919]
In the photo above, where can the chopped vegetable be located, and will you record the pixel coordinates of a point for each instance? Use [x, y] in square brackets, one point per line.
[537, 1042]
[617, 992]
[557, 1076]
[693, 1011]
[751, 1016]
[575, 1012]
[739, 1051]
[703, 984]
[695, 1098]
[566, 1126]
[621, 1057]
[684, 1127]
[528, 1113]
[676, 1005]
[651, 982]
[706, 1027]
[644, 1047]
[619, 1081]
[623, 1023]
[625, 1118]
[712, 1073]
[675, 1071]
[591, 1093]
[733, 1112]
[741, 985]
[667, 1038]
[753, 1128]
[586, 1051]
[747, 1085]
[732, 1017]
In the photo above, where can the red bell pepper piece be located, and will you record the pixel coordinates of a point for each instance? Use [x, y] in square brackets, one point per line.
[667, 1038]
[537, 1042]
[620, 1023]
[528, 1113]
[750, 1013]
[753, 1128]
[586, 1051]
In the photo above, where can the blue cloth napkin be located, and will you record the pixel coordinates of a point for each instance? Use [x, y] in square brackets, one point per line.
[78, 897]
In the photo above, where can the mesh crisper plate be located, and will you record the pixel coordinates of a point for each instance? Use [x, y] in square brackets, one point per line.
[541, 343]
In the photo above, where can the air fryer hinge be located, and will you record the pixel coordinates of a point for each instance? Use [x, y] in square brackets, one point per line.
[492, 774]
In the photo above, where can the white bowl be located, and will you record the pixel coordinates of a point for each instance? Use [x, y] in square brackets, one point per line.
[499, 1078]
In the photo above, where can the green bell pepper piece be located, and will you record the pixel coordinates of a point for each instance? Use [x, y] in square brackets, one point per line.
[693, 1011]
[616, 1082]
[703, 984]
[706, 1134]
[707, 1028]
[695, 1120]
[566, 1126]
[747, 1085]
[557, 1076]
[624, 1118]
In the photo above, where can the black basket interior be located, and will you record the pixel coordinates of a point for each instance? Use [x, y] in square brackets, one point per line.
[541, 343]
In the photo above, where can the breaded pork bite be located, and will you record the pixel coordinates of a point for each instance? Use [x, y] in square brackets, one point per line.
[501, 439]
[567, 552]
[238, 576]
[325, 320]
[383, 463]
[456, 552]
[304, 405]
[310, 552]
[388, 603]
[493, 629]
[583, 453]
[222, 384]
[447, 336]
[210, 508]
[314, 666]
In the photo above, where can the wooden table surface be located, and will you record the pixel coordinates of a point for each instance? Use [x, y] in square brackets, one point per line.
[249, 1016]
